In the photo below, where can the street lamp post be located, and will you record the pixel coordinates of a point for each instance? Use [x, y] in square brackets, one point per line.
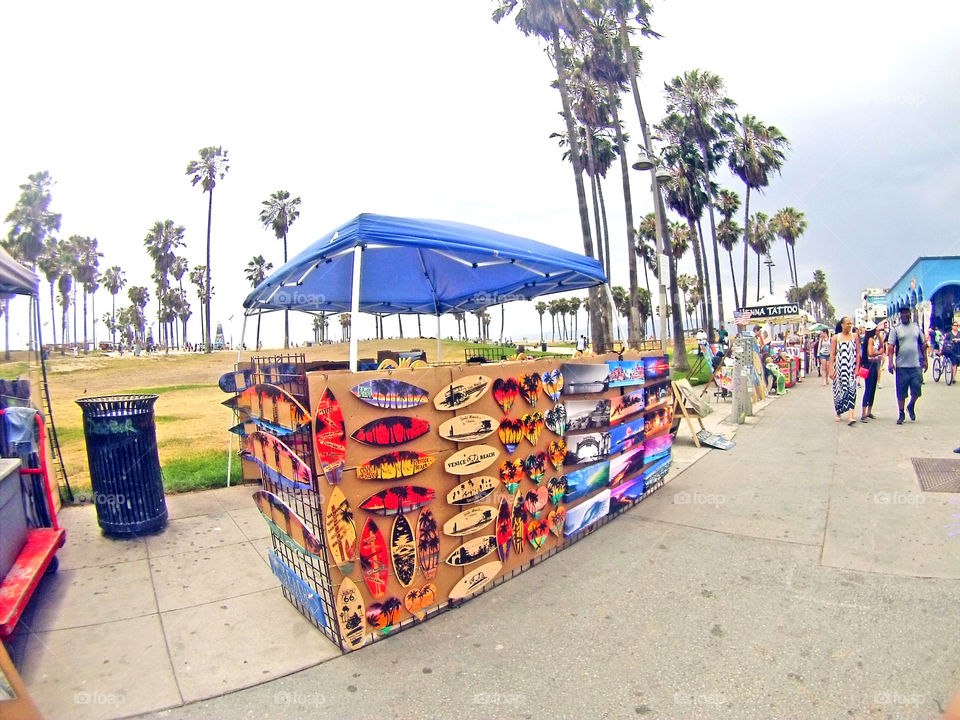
[647, 161]
[768, 261]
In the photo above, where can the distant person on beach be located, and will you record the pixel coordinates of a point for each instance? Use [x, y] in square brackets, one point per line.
[909, 346]
[581, 343]
[844, 364]
[871, 355]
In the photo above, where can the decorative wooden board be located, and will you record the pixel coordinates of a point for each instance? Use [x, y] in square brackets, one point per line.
[350, 613]
[403, 550]
[330, 436]
[537, 531]
[505, 391]
[390, 394]
[533, 425]
[428, 544]
[557, 486]
[397, 500]
[419, 599]
[286, 525]
[475, 580]
[531, 387]
[251, 425]
[341, 532]
[504, 530]
[462, 392]
[473, 550]
[383, 616]
[390, 431]
[557, 450]
[555, 521]
[511, 473]
[471, 460]
[298, 588]
[395, 465]
[468, 428]
[472, 490]
[535, 466]
[535, 501]
[272, 453]
[552, 384]
[556, 419]
[518, 518]
[374, 560]
[272, 404]
[510, 432]
[472, 520]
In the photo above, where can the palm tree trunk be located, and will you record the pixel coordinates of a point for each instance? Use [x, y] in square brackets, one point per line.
[746, 241]
[698, 260]
[286, 313]
[594, 182]
[680, 361]
[733, 278]
[419, 329]
[601, 325]
[606, 227]
[208, 338]
[400, 324]
[708, 323]
[793, 275]
[53, 316]
[85, 343]
[796, 273]
[74, 314]
[758, 276]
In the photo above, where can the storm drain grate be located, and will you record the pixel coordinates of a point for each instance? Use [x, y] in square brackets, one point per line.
[937, 474]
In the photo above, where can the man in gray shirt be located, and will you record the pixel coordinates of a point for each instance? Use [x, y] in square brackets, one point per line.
[908, 344]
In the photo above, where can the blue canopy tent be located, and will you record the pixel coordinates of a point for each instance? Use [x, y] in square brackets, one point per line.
[382, 264]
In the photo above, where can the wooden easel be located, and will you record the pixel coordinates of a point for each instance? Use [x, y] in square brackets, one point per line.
[682, 408]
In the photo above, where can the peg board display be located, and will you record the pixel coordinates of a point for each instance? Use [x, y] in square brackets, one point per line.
[421, 520]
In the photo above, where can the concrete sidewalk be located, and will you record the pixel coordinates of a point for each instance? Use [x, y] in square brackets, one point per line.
[800, 575]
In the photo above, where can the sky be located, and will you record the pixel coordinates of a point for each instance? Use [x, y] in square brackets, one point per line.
[432, 110]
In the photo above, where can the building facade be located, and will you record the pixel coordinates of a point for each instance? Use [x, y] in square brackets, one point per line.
[930, 287]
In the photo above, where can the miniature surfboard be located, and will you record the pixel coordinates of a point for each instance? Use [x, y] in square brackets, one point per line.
[403, 550]
[287, 526]
[303, 594]
[390, 394]
[253, 424]
[532, 427]
[518, 518]
[235, 381]
[468, 428]
[556, 419]
[537, 532]
[530, 387]
[395, 465]
[462, 392]
[373, 559]
[428, 544]
[557, 487]
[475, 580]
[505, 391]
[535, 466]
[271, 403]
[553, 384]
[397, 500]
[383, 616]
[472, 550]
[470, 521]
[555, 521]
[390, 431]
[419, 599]
[504, 530]
[510, 433]
[272, 453]
[350, 613]
[471, 460]
[472, 490]
[535, 501]
[511, 473]
[341, 532]
[330, 435]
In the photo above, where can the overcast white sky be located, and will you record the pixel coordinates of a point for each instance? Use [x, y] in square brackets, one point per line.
[432, 110]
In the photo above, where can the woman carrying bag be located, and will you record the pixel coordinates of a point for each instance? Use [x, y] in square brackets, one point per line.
[871, 354]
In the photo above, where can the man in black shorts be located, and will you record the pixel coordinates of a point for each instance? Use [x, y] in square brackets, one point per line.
[908, 344]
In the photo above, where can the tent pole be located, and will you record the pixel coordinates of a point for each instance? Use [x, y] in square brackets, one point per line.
[243, 333]
[439, 350]
[613, 304]
[355, 306]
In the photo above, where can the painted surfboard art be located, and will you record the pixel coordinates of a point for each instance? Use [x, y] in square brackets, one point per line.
[390, 431]
[251, 425]
[374, 559]
[518, 519]
[341, 532]
[530, 388]
[472, 551]
[271, 453]
[350, 613]
[504, 530]
[390, 394]
[505, 391]
[462, 392]
[330, 436]
[428, 544]
[472, 490]
[475, 580]
[395, 465]
[383, 616]
[468, 428]
[470, 521]
[473, 459]
[552, 384]
[399, 499]
[272, 404]
[557, 451]
[286, 525]
[403, 550]
[306, 596]
[419, 599]
[236, 381]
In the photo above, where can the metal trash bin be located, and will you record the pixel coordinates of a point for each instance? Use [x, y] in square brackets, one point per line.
[125, 475]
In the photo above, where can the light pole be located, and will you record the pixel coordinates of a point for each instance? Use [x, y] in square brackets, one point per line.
[768, 261]
[647, 161]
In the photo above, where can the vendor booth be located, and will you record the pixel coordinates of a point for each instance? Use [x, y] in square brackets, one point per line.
[393, 495]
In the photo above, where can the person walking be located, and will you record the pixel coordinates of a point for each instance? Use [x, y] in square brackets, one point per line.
[823, 355]
[908, 345]
[844, 364]
[871, 353]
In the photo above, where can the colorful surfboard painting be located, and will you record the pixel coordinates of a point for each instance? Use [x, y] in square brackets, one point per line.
[462, 392]
[511, 473]
[306, 596]
[287, 526]
[472, 490]
[374, 560]
[341, 531]
[272, 453]
[532, 427]
[272, 404]
[403, 550]
[510, 433]
[473, 459]
[472, 550]
[391, 431]
[383, 616]
[519, 522]
[418, 600]
[390, 394]
[350, 613]
[330, 436]
[397, 500]
[395, 465]
[504, 530]
[531, 386]
[428, 544]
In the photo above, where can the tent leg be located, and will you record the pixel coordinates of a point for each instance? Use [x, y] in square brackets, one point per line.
[439, 349]
[355, 306]
[243, 333]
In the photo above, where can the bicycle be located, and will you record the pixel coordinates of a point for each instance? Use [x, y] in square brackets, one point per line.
[936, 367]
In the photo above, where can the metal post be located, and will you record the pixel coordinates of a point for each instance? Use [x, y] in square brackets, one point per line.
[439, 349]
[236, 412]
[355, 305]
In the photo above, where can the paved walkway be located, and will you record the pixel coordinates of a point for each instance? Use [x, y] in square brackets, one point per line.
[800, 575]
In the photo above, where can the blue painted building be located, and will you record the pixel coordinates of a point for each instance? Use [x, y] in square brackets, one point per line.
[931, 288]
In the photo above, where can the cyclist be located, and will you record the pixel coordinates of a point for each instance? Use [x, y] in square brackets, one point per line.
[950, 347]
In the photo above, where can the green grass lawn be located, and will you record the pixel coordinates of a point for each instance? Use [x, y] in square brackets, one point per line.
[201, 471]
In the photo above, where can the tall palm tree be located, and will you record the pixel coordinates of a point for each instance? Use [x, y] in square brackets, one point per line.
[547, 19]
[198, 276]
[279, 213]
[541, 309]
[87, 274]
[162, 242]
[64, 286]
[256, 273]
[647, 252]
[139, 297]
[756, 151]
[345, 326]
[575, 303]
[49, 264]
[212, 166]
[31, 220]
[789, 224]
[761, 240]
[69, 254]
[114, 280]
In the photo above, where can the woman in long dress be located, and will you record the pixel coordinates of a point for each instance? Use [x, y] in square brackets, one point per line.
[844, 363]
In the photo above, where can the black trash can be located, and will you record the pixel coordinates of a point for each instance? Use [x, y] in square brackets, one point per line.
[124, 465]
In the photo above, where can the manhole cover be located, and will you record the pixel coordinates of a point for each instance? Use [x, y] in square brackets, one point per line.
[937, 474]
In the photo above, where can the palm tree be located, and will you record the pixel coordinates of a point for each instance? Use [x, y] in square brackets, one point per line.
[647, 252]
[345, 326]
[541, 309]
[139, 297]
[279, 212]
[86, 273]
[198, 276]
[575, 303]
[756, 151]
[789, 224]
[256, 273]
[49, 264]
[68, 255]
[162, 242]
[547, 19]
[31, 220]
[211, 167]
[761, 240]
[114, 281]
[64, 285]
